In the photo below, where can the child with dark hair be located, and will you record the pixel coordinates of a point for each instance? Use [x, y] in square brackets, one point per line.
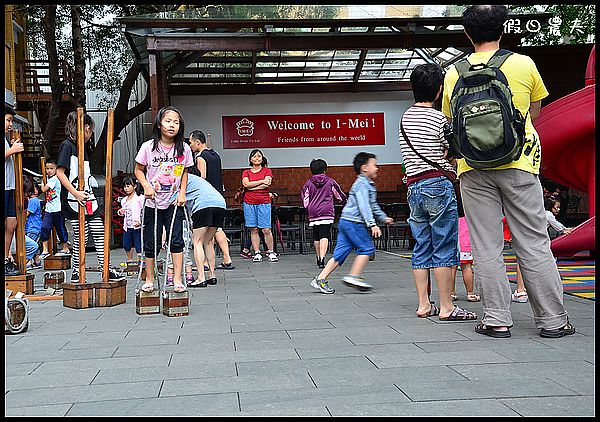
[131, 210]
[73, 199]
[10, 215]
[162, 168]
[359, 217]
[317, 195]
[53, 216]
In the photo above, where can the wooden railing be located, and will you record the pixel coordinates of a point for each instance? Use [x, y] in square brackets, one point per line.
[33, 77]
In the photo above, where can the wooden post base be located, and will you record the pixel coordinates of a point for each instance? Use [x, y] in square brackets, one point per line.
[110, 293]
[19, 283]
[60, 262]
[54, 279]
[176, 303]
[147, 303]
[78, 295]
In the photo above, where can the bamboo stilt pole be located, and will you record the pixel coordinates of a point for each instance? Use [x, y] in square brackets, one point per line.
[108, 192]
[19, 206]
[81, 187]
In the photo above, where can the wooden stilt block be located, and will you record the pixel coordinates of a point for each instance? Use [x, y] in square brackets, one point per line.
[147, 302]
[19, 283]
[131, 267]
[78, 295]
[17, 315]
[110, 293]
[176, 303]
[60, 262]
[54, 279]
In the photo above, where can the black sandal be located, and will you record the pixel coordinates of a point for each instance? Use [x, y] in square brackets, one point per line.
[481, 328]
[433, 311]
[567, 330]
[460, 314]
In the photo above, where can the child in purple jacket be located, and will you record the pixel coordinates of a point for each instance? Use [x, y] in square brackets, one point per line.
[317, 196]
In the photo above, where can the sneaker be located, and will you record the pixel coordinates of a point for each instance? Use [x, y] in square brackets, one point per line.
[10, 268]
[33, 265]
[189, 278]
[246, 255]
[257, 257]
[170, 282]
[272, 256]
[113, 275]
[356, 282]
[322, 285]
[46, 254]
[520, 297]
[75, 277]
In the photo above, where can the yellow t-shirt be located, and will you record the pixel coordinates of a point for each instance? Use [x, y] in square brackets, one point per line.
[527, 87]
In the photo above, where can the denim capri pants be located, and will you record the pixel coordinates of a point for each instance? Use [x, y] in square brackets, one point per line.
[352, 236]
[434, 223]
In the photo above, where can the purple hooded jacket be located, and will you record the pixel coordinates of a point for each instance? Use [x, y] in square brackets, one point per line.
[317, 196]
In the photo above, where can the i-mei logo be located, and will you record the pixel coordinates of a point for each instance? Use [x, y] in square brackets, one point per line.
[245, 127]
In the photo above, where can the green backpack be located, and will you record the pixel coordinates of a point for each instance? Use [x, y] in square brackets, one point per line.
[488, 130]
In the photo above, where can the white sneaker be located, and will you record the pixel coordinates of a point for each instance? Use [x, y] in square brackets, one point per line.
[272, 256]
[356, 282]
[257, 257]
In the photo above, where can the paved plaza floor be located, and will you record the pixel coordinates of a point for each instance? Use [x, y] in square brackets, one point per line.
[263, 342]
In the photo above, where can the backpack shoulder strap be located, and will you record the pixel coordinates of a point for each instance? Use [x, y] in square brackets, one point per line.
[499, 58]
[462, 66]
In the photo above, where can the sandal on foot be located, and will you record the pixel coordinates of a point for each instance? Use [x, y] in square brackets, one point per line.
[224, 266]
[472, 297]
[148, 287]
[453, 297]
[197, 283]
[433, 311]
[460, 314]
[179, 288]
[481, 328]
[567, 330]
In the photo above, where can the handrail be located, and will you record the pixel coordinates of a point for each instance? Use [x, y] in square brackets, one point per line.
[34, 76]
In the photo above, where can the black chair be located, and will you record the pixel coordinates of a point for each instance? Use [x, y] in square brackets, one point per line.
[399, 230]
[233, 226]
[290, 231]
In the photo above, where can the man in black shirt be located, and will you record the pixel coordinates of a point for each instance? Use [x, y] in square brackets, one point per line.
[208, 163]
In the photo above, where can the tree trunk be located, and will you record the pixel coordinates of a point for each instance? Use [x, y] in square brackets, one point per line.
[123, 115]
[56, 85]
[79, 60]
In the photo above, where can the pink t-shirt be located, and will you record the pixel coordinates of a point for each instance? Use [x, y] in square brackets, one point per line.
[133, 211]
[164, 171]
[463, 235]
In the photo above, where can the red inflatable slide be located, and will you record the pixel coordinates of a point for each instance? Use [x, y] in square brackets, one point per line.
[567, 131]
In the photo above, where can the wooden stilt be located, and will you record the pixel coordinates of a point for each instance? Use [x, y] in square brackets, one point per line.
[80, 295]
[147, 303]
[54, 279]
[175, 303]
[109, 293]
[22, 282]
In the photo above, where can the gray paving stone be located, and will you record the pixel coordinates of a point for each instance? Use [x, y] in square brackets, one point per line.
[202, 404]
[199, 368]
[552, 406]
[303, 365]
[114, 362]
[81, 394]
[572, 368]
[479, 407]
[50, 380]
[240, 356]
[46, 410]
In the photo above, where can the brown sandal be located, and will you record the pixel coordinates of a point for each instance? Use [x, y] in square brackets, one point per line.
[433, 311]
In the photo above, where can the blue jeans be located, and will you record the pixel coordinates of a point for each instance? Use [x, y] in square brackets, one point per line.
[434, 223]
[352, 236]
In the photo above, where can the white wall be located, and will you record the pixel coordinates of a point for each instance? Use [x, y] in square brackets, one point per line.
[205, 112]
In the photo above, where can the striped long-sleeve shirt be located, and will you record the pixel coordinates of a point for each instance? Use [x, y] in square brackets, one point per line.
[425, 128]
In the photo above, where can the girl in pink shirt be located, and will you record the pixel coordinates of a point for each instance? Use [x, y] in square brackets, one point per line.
[161, 168]
[131, 210]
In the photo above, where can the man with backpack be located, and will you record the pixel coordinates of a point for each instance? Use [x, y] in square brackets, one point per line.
[493, 97]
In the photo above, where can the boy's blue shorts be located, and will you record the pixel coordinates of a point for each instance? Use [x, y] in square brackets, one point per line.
[352, 236]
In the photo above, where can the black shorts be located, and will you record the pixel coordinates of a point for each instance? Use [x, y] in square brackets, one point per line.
[9, 204]
[321, 231]
[208, 217]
